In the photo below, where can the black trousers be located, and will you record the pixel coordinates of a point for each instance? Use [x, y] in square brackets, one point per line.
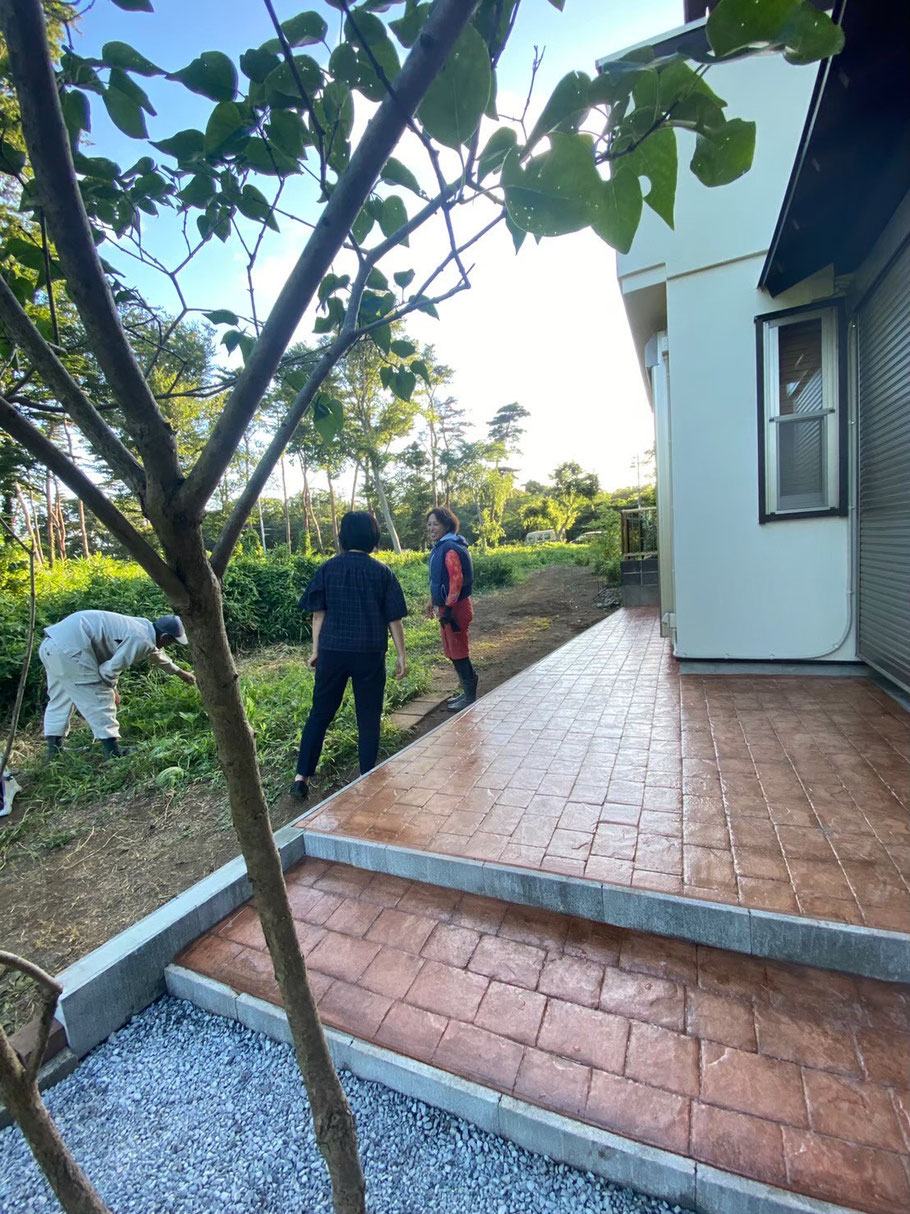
[333, 669]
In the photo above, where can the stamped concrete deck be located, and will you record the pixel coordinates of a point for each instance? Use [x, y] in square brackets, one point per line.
[794, 1077]
[785, 794]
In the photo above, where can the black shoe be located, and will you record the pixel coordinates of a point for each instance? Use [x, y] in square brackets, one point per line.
[300, 790]
[113, 749]
[54, 746]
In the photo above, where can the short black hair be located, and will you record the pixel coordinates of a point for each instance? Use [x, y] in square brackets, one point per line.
[359, 530]
[445, 517]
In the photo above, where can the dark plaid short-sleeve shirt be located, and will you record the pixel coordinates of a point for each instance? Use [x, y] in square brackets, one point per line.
[360, 597]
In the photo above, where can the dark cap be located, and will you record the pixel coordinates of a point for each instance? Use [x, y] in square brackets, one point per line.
[171, 626]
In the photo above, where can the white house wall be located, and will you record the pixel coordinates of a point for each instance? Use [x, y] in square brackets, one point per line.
[742, 589]
[717, 225]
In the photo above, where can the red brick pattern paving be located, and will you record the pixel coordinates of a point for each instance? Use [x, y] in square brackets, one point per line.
[778, 793]
[788, 1075]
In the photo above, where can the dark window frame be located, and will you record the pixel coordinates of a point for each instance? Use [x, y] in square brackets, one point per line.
[761, 322]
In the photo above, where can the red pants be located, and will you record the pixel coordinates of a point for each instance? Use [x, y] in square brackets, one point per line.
[455, 644]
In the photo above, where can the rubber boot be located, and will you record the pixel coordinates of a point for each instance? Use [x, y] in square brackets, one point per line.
[468, 695]
[113, 749]
[54, 746]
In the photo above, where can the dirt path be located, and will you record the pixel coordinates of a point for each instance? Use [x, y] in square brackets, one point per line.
[55, 906]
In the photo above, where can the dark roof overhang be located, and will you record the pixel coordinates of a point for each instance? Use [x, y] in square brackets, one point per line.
[853, 164]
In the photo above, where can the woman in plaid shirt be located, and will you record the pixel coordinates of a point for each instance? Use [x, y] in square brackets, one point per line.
[356, 602]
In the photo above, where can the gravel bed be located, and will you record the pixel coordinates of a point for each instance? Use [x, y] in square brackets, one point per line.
[182, 1112]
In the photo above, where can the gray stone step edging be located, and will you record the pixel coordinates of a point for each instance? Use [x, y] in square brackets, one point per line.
[662, 1174]
[870, 952]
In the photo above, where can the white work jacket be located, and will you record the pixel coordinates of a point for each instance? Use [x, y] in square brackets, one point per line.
[107, 642]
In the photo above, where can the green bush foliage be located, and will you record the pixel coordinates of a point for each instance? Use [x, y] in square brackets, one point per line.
[260, 600]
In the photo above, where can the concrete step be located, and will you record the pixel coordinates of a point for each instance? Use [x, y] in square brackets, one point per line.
[712, 1079]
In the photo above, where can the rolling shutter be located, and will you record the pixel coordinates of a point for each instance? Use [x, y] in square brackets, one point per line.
[884, 473]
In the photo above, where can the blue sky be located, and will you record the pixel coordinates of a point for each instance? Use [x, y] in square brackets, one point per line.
[545, 328]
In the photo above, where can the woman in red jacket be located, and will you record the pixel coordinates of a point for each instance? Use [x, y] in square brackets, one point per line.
[451, 583]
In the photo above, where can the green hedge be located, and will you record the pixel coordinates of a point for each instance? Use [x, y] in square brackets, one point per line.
[260, 597]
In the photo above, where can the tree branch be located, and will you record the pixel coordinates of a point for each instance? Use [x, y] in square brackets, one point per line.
[39, 445]
[439, 34]
[22, 23]
[106, 443]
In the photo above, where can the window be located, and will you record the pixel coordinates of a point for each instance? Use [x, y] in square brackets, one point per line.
[801, 441]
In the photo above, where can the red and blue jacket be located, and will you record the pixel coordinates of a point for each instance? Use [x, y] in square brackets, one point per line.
[451, 571]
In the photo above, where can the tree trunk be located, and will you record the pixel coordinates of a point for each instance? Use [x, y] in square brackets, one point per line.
[49, 508]
[73, 1188]
[284, 501]
[308, 504]
[433, 444]
[33, 535]
[384, 506]
[265, 546]
[86, 550]
[334, 512]
[354, 486]
[218, 686]
[59, 522]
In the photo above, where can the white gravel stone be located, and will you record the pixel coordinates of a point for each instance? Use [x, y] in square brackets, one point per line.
[183, 1112]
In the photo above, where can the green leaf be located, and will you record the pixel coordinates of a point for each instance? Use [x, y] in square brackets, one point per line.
[254, 205]
[656, 159]
[699, 113]
[212, 75]
[225, 121]
[735, 25]
[382, 339]
[419, 367]
[125, 113]
[498, 146]
[724, 155]
[677, 81]
[405, 383]
[76, 113]
[98, 167]
[618, 213]
[268, 159]
[332, 283]
[184, 146]
[567, 106]
[257, 63]
[281, 85]
[121, 54]
[395, 173]
[393, 216]
[454, 103]
[360, 229]
[231, 340]
[558, 191]
[118, 79]
[328, 417]
[387, 376]
[811, 35]
[351, 66]
[427, 306]
[404, 278]
[12, 159]
[135, 6]
[404, 349]
[287, 132]
[407, 28]
[304, 29]
[614, 83]
[362, 28]
[221, 316]
[377, 281]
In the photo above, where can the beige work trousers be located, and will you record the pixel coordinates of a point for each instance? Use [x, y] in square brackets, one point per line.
[74, 683]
